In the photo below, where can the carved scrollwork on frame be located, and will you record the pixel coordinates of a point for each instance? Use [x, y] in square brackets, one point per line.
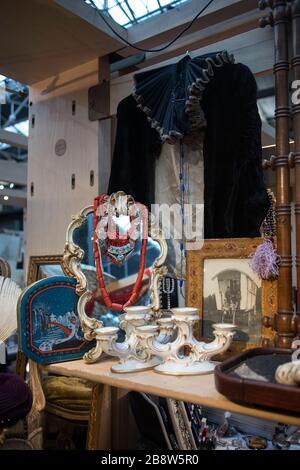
[73, 254]
[88, 325]
[71, 261]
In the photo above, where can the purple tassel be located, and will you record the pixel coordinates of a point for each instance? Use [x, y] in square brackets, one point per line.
[265, 261]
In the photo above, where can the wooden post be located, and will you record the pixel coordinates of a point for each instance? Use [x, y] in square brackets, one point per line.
[283, 320]
[296, 156]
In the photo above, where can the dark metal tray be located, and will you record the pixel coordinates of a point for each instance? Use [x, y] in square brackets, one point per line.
[249, 379]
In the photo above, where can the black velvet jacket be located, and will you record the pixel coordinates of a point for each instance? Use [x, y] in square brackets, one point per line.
[235, 197]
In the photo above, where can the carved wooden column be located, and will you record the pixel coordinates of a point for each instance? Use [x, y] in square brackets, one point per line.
[296, 155]
[283, 320]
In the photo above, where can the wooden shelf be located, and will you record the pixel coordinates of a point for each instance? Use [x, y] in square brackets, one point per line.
[193, 389]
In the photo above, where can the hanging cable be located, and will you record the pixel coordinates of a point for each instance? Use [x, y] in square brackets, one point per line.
[163, 48]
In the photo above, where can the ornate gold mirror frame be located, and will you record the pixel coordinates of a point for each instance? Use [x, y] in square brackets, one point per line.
[73, 256]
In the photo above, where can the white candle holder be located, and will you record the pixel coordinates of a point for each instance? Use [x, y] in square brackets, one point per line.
[132, 356]
[168, 346]
[175, 360]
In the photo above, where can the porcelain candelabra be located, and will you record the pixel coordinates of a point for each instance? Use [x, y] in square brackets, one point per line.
[185, 355]
[132, 356]
[168, 345]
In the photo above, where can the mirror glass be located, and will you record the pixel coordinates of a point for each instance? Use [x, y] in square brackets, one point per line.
[48, 270]
[119, 278]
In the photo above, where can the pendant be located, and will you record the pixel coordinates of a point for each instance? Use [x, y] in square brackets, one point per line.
[119, 254]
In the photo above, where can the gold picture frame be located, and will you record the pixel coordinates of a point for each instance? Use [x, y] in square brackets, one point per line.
[223, 249]
[35, 262]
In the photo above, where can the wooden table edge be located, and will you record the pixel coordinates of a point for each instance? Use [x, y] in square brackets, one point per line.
[124, 381]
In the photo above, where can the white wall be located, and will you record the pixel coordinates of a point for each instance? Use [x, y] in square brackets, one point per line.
[54, 201]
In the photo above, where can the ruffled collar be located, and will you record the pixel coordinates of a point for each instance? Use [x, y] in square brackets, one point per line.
[171, 96]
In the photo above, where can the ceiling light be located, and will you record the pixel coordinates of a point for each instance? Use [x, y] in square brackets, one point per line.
[6, 198]
[1, 186]
[11, 185]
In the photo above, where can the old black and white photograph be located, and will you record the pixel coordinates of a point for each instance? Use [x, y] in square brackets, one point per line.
[232, 294]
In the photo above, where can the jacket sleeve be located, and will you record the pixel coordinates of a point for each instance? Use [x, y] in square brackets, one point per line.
[135, 150]
[252, 202]
[125, 148]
